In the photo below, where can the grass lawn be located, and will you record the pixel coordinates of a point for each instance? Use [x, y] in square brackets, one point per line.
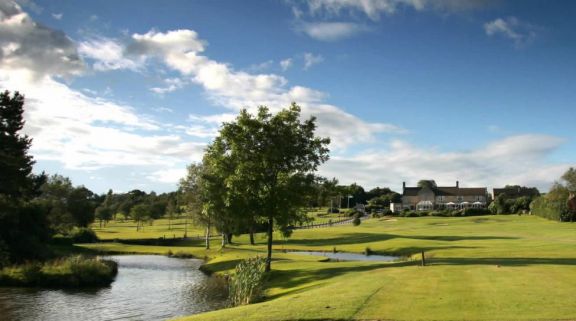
[480, 268]
[126, 229]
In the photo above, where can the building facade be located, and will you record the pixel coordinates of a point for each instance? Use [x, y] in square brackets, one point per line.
[442, 197]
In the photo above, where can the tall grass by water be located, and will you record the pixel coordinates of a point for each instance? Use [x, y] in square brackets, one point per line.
[247, 283]
[73, 271]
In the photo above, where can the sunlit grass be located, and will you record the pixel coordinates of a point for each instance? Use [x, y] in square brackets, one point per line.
[126, 229]
[480, 268]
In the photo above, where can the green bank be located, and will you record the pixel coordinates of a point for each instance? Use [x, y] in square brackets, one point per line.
[479, 268]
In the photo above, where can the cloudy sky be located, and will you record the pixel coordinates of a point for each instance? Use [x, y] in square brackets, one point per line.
[124, 94]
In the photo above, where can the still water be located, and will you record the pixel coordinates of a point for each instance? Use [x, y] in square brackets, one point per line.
[147, 287]
[349, 256]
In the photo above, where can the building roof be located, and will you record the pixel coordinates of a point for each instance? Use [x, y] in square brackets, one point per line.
[448, 191]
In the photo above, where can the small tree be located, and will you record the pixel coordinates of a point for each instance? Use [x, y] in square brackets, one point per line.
[140, 213]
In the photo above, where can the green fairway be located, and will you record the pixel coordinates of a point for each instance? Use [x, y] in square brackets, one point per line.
[480, 268]
[126, 229]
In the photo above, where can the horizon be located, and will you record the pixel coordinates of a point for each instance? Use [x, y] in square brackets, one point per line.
[480, 92]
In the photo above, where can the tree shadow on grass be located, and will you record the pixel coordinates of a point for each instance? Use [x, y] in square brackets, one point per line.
[502, 261]
[296, 277]
[360, 238]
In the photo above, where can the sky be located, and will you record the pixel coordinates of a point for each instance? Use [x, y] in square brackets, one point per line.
[125, 94]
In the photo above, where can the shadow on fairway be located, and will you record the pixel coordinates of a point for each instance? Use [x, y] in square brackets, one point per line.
[359, 238]
[501, 261]
[294, 278]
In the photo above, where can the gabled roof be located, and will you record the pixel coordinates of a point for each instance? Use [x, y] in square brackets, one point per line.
[448, 191]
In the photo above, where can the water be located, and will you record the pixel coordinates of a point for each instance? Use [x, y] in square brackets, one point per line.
[147, 287]
[350, 256]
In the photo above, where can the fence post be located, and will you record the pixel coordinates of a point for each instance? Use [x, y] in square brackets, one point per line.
[423, 259]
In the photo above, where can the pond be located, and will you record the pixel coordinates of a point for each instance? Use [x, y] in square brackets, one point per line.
[349, 256]
[147, 287]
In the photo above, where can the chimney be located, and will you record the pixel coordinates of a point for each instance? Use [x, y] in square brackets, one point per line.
[403, 185]
[457, 184]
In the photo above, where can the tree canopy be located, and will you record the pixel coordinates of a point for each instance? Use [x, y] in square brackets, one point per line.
[261, 168]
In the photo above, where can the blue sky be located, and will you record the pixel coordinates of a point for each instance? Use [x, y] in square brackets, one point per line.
[125, 94]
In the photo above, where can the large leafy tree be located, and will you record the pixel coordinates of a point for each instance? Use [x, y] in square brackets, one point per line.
[192, 191]
[265, 164]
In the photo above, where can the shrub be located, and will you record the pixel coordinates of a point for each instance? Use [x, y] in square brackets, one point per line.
[550, 209]
[333, 210]
[368, 251]
[476, 212]
[62, 273]
[353, 213]
[83, 235]
[356, 221]
[247, 283]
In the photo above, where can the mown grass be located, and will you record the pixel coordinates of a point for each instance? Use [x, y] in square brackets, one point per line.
[480, 268]
[126, 229]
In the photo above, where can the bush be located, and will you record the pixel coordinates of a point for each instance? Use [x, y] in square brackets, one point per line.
[476, 212]
[247, 283]
[67, 272]
[552, 210]
[83, 235]
[333, 210]
[353, 213]
[356, 221]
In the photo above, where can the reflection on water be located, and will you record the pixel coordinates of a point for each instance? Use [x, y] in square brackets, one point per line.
[148, 287]
[349, 256]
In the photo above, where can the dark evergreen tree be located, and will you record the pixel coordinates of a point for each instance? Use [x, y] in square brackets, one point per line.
[23, 226]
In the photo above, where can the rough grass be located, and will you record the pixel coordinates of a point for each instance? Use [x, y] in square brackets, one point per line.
[480, 268]
[73, 271]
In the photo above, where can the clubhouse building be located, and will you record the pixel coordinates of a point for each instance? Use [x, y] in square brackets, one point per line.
[441, 197]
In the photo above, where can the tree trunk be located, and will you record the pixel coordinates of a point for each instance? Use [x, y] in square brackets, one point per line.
[208, 236]
[269, 257]
[224, 239]
[229, 237]
[251, 238]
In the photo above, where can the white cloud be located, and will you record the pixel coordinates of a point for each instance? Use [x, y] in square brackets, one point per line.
[171, 84]
[261, 66]
[331, 31]
[57, 16]
[25, 44]
[513, 160]
[86, 133]
[181, 51]
[108, 54]
[512, 28]
[171, 176]
[286, 64]
[374, 9]
[163, 110]
[310, 60]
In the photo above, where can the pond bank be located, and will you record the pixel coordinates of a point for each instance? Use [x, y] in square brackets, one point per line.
[66, 272]
[143, 284]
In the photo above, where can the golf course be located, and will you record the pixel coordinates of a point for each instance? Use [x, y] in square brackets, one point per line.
[497, 267]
